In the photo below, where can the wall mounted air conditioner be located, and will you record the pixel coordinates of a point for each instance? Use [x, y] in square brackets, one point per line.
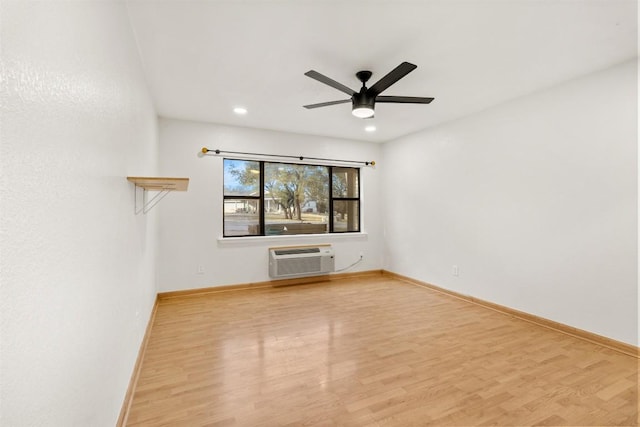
[288, 262]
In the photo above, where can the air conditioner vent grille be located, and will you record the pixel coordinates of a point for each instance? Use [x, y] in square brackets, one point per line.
[297, 251]
[292, 266]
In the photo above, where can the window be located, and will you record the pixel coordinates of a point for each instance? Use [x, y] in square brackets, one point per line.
[346, 199]
[267, 199]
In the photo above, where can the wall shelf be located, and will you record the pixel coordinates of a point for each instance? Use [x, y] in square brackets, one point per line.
[160, 184]
[157, 184]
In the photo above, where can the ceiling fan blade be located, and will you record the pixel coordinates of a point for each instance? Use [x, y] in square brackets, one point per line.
[396, 74]
[326, 104]
[326, 80]
[405, 99]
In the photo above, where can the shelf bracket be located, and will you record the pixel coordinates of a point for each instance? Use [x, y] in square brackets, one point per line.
[147, 205]
[163, 186]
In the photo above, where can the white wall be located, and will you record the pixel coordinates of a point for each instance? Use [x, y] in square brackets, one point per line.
[191, 222]
[535, 201]
[77, 267]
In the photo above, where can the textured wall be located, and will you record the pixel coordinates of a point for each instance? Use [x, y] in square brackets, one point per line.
[535, 201]
[77, 267]
[191, 222]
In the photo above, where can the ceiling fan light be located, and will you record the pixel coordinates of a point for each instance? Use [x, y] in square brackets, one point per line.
[363, 112]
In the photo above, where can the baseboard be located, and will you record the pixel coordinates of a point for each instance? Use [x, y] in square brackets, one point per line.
[325, 278]
[612, 344]
[128, 397]
[270, 283]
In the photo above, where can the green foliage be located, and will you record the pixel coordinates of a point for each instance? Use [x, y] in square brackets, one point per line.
[292, 186]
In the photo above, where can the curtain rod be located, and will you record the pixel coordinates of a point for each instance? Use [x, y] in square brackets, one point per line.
[206, 150]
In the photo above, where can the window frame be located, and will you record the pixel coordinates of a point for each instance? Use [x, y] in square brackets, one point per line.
[260, 198]
[332, 199]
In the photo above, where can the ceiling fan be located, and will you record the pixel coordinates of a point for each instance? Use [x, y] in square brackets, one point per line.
[364, 101]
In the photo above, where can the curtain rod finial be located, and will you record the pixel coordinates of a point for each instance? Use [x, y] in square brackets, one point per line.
[205, 150]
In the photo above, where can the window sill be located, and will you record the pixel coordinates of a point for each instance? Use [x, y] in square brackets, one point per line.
[296, 238]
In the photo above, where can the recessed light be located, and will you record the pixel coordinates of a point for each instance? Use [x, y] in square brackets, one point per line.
[370, 128]
[240, 110]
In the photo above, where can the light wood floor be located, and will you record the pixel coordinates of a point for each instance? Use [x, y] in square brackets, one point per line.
[370, 352]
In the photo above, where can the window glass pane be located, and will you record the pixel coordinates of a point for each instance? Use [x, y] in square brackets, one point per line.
[241, 178]
[296, 199]
[345, 182]
[241, 217]
[346, 215]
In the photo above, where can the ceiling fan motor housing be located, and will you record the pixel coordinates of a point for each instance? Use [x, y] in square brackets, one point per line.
[363, 103]
[362, 99]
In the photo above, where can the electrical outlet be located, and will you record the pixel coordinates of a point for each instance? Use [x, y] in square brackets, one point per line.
[200, 269]
[455, 270]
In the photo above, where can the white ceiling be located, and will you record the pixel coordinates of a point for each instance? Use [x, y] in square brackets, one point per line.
[202, 58]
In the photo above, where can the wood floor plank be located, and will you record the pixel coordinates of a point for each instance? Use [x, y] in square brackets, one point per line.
[370, 351]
